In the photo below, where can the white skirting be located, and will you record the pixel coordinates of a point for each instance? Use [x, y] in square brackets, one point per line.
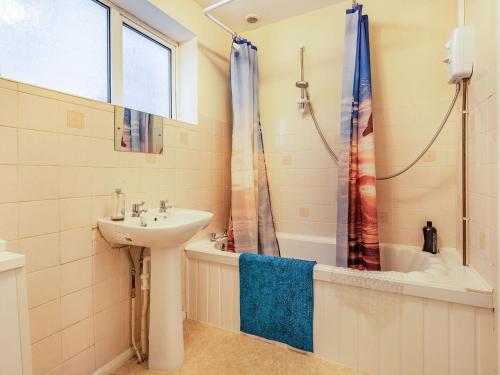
[115, 363]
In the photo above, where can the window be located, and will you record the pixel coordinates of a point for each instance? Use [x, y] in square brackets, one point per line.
[40, 46]
[88, 48]
[147, 73]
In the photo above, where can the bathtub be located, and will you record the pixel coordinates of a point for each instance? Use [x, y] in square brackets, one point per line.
[322, 249]
[422, 313]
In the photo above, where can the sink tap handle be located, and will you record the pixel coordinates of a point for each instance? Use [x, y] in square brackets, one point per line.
[213, 237]
[163, 205]
[135, 208]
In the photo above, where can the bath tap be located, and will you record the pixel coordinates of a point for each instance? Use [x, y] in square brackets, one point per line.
[214, 237]
[221, 244]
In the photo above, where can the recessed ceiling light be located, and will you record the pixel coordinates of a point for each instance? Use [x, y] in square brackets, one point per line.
[252, 18]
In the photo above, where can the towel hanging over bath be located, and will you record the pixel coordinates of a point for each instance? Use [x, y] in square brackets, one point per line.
[277, 299]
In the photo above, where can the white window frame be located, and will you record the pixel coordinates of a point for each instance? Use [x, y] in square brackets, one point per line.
[117, 18]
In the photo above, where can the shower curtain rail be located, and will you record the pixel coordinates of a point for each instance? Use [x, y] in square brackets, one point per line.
[217, 5]
[221, 3]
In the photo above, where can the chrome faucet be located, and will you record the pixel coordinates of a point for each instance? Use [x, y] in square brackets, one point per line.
[136, 211]
[214, 237]
[220, 242]
[163, 206]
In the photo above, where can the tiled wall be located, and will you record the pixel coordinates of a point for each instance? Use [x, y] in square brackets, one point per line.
[410, 98]
[55, 181]
[482, 140]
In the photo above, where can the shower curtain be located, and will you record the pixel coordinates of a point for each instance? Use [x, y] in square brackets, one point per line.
[357, 227]
[251, 225]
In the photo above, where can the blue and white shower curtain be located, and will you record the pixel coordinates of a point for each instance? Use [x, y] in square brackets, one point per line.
[251, 226]
[357, 226]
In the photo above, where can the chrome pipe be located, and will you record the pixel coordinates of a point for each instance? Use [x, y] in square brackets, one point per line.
[465, 218]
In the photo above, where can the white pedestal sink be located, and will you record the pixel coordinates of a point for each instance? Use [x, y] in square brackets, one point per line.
[164, 234]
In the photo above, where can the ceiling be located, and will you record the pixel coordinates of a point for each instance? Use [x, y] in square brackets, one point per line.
[233, 14]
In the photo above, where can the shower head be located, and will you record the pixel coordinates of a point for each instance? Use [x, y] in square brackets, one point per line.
[302, 84]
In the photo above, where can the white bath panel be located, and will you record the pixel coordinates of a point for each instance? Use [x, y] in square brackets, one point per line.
[376, 332]
[191, 287]
[236, 300]
[226, 297]
[325, 308]
[436, 344]
[461, 335]
[412, 336]
[213, 293]
[484, 342]
[390, 338]
[347, 335]
[202, 292]
[369, 342]
[214, 281]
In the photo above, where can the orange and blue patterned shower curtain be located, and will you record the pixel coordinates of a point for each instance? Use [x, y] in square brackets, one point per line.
[357, 227]
[251, 226]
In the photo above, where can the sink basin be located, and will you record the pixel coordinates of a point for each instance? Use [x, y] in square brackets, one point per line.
[169, 229]
[164, 233]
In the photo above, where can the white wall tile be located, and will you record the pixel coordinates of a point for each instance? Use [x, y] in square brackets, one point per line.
[75, 182]
[45, 320]
[75, 244]
[108, 323]
[106, 265]
[46, 354]
[74, 150]
[76, 275]
[77, 338]
[37, 112]
[38, 148]
[38, 217]
[75, 213]
[8, 145]
[81, 364]
[76, 307]
[43, 286]
[8, 187]
[9, 221]
[38, 183]
[41, 251]
[107, 293]
[8, 110]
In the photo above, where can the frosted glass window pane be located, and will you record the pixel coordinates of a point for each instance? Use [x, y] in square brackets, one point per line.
[146, 74]
[59, 44]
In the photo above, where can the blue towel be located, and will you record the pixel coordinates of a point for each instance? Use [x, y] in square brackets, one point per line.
[277, 299]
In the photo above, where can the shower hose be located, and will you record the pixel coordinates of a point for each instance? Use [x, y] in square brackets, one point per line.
[412, 163]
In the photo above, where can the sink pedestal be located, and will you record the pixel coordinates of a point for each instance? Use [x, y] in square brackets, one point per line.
[166, 342]
[165, 234]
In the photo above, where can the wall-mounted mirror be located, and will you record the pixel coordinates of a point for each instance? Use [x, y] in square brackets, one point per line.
[137, 131]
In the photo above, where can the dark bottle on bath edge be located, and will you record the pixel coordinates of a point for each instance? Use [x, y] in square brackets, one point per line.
[430, 238]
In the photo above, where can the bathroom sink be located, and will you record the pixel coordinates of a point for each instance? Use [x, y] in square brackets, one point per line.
[169, 229]
[164, 234]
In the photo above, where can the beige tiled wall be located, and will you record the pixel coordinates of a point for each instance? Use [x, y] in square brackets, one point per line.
[482, 140]
[56, 181]
[410, 97]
